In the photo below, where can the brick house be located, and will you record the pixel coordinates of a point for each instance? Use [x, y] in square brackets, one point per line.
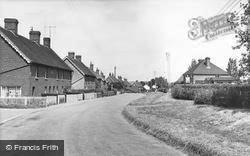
[100, 77]
[205, 70]
[82, 77]
[28, 68]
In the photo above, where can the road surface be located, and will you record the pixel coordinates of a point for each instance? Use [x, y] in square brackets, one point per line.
[89, 128]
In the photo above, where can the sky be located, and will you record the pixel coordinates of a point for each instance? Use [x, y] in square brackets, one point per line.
[133, 35]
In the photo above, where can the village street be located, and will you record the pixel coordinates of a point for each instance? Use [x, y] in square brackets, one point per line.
[94, 127]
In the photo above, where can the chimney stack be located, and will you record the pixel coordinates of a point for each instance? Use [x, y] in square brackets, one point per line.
[71, 55]
[46, 42]
[91, 66]
[97, 71]
[11, 24]
[35, 36]
[79, 58]
[115, 71]
[207, 62]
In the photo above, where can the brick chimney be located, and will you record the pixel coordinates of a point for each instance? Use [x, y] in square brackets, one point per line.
[91, 66]
[46, 42]
[207, 62]
[115, 71]
[35, 36]
[79, 58]
[11, 24]
[71, 55]
[97, 71]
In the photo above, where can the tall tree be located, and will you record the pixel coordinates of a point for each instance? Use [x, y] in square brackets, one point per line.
[193, 63]
[242, 35]
[232, 68]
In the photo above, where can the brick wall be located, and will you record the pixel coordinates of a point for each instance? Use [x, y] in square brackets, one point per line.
[10, 60]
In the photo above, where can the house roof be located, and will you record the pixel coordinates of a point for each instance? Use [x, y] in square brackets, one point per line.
[81, 67]
[126, 83]
[112, 79]
[98, 76]
[201, 69]
[33, 52]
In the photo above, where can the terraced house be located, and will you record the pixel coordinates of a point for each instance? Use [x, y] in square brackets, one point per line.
[82, 77]
[28, 68]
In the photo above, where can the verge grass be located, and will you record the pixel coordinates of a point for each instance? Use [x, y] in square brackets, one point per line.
[197, 129]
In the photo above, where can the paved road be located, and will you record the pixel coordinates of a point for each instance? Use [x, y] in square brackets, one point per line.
[89, 128]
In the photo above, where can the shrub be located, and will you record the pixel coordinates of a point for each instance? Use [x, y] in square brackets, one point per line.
[203, 96]
[225, 95]
[180, 92]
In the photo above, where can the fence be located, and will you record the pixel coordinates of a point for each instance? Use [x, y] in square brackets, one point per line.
[23, 102]
[47, 100]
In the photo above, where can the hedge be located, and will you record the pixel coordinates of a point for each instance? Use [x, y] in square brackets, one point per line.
[224, 95]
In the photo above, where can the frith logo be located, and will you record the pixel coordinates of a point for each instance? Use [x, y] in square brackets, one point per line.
[212, 27]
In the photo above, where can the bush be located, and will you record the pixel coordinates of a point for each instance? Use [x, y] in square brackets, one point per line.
[185, 93]
[203, 96]
[225, 95]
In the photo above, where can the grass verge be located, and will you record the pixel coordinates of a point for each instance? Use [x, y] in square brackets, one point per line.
[199, 130]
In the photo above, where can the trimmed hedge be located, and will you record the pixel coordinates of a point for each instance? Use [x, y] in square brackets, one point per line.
[224, 95]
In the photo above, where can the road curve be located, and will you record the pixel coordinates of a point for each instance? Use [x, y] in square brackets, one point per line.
[88, 128]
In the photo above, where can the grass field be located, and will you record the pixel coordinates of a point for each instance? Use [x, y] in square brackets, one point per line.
[198, 129]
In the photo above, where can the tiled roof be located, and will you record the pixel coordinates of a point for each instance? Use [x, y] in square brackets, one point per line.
[96, 75]
[79, 65]
[112, 79]
[201, 69]
[33, 52]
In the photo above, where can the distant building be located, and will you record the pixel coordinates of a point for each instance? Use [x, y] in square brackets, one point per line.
[82, 77]
[28, 68]
[113, 82]
[100, 78]
[205, 70]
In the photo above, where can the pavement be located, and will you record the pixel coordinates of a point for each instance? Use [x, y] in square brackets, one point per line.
[88, 128]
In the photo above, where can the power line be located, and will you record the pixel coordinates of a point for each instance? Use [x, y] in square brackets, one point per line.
[221, 10]
[237, 2]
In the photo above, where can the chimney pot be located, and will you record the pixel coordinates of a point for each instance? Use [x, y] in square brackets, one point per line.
[11, 24]
[35, 36]
[97, 71]
[207, 62]
[79, 58]
[71, 55]
[91, 66]
[46, 42]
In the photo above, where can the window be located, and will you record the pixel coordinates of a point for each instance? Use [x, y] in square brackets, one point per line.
[54, 89]
[45, 89]
[57, 89]
[46, 73]
[10, 91]
[49, 89]
[33, 91]
[36, 74]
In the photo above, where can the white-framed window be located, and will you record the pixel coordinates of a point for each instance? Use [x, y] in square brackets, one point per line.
[10, 91]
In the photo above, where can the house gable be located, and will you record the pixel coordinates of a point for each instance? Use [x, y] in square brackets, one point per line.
[9, 58]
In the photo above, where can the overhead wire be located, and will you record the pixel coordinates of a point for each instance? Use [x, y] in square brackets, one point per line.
[225, 6]
[234, 5]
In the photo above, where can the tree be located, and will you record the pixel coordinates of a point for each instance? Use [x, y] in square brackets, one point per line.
[193, 63]
[242, 36]
[232, 68]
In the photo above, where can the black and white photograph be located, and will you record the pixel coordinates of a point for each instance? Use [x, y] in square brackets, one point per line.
[124, 78]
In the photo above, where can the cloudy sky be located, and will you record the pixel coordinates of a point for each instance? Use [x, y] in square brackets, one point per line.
[133, 35]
